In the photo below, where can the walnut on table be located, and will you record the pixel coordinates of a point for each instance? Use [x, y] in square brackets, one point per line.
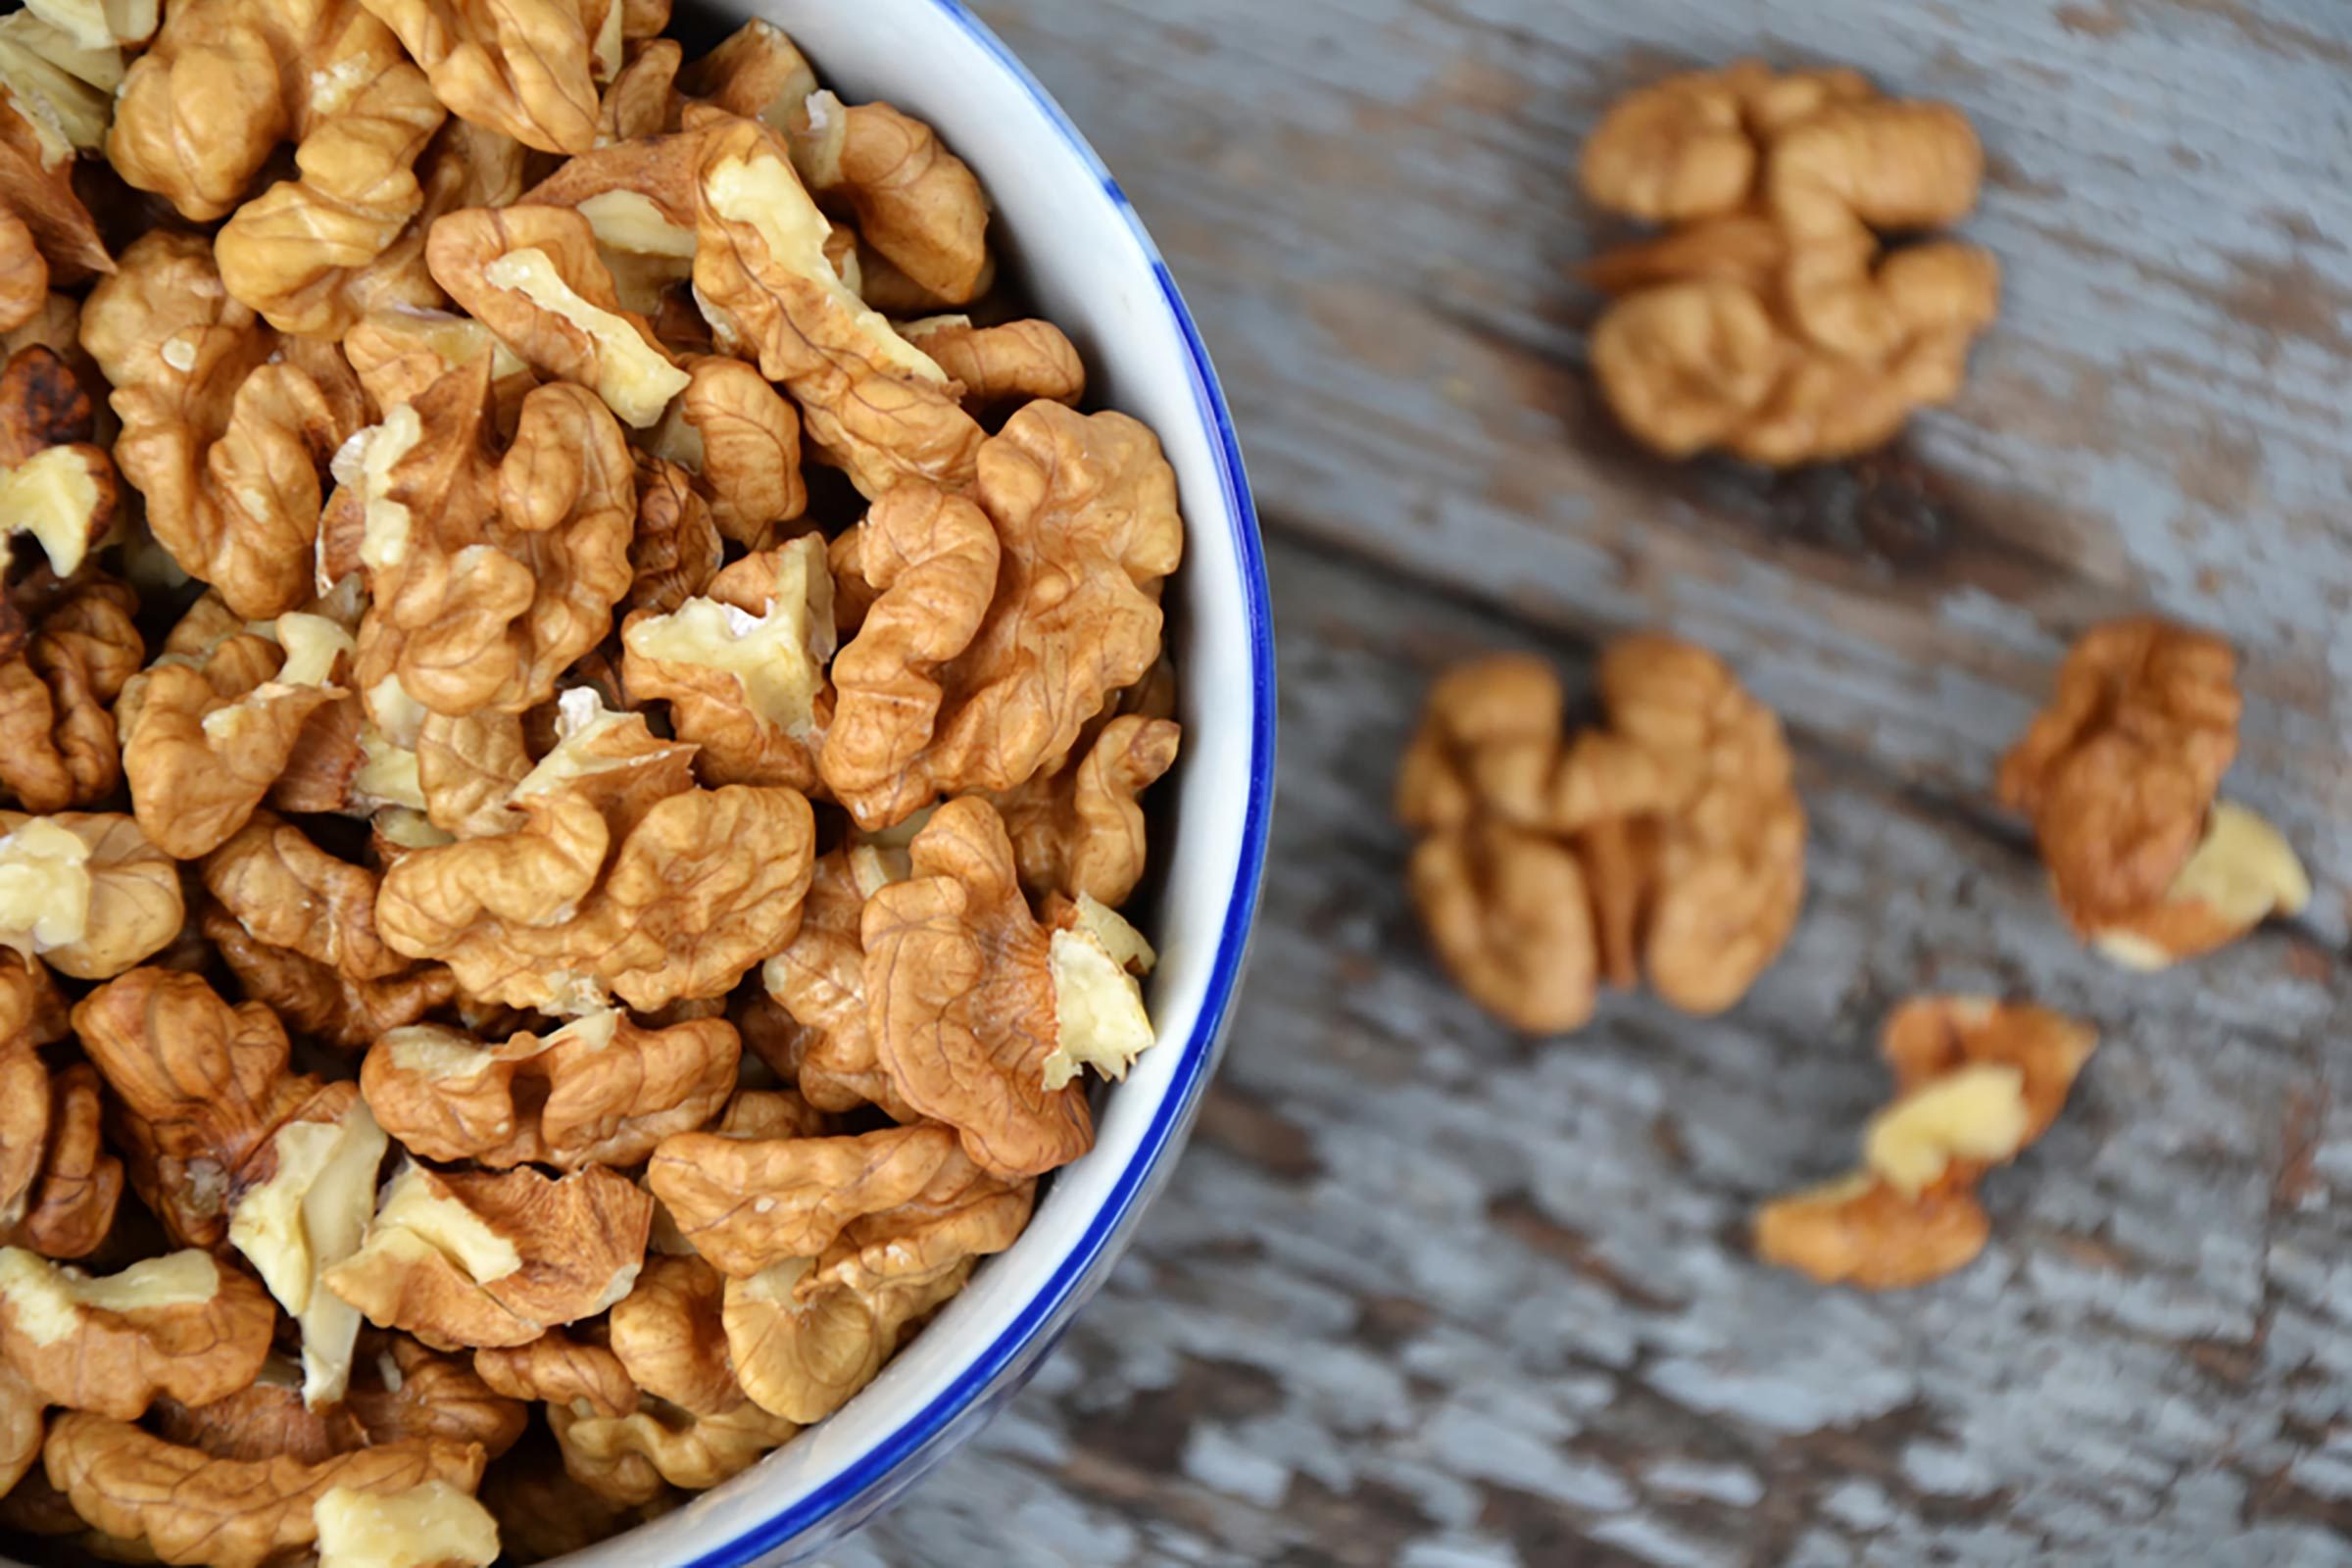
[1770, 322]
[1975, 1081]
[2120, 777]
[1666, 841]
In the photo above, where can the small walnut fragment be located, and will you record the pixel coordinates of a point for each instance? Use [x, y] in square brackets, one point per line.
[748, 1203]
[86, 891]
[2120, 777]
[648, 889]
[1770, 322]
[1667, 842]
[209, 728]
[557, 1369]
[533, 275]
[602, 1090]
[743, 668]
[472, 1259]
[1975, 1080]
[1015, 362]
[58, 694]
[190, 1507]
[266, 1420]
[59, 1187]
[287, 892]
[401, 1391]
[179, 1325]
[980, 1015]
[631, 1459]
[820, 981]
[740, 439]
[668, 1336]
[874, 405]
[56, 487]
[198, 1087]
[321, 1002]
[1042, 594]
[1081, 831]
[677, 549]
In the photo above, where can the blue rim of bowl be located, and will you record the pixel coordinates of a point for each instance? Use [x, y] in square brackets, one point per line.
[880, 1463]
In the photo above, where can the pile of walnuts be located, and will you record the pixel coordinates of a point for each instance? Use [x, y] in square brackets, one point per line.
[544, 939]
[1770, 321]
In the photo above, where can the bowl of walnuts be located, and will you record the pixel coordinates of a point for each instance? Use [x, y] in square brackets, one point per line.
[639, 738]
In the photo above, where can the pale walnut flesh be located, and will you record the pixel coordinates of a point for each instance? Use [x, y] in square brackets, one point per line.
[181, 1325]
[2241, 873]
[602, 1090]
[435, 1525]
[190, 1507]
[743, 668]
[471, 1258]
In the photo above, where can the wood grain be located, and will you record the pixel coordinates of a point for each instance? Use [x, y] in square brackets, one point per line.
[1425, 1294]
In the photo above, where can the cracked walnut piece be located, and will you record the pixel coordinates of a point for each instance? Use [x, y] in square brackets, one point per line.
[1668, 842]
[602, 1090]
[1975, 1081]
[1040, 598]
[2119, 776]
[86, 894]
[181, 1325]
[527, 68]
[488, 574]
[56, 698]
[983, 1017]
[481, 1259]
[190, 1507]
[59, 1187]
[56, 487]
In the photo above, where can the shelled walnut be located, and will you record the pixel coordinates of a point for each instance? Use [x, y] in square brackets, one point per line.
[444, 726]
[2121, 776]
[1975, 1081]
[1770, 321]
[1666, 841]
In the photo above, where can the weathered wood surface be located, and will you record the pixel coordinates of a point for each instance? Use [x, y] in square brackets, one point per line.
[1425, 1294]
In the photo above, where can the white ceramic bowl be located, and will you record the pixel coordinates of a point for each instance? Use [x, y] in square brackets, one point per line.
[1071, 237]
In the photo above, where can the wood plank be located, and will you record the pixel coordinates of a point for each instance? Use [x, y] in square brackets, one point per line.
[1425, 1293]
[1371, 205]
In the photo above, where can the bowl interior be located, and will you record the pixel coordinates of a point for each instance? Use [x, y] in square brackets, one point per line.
[1065, 231]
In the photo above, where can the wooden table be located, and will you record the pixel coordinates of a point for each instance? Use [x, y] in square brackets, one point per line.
[1428, 1294]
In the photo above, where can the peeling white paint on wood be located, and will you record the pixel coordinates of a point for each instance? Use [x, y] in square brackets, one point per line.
[1425, 1294]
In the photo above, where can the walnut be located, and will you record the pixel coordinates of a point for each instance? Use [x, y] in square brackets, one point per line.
[1043, 595]
[24, 274]
[22, 1429]
[557, 1369]
[642, 99]
[981, 1016]
[86, 891]
[434, 1524]
[638, 197]
[59, 1187]
[756, 73]
[630, 1460]
[874, 405]
[56, 698]
[56, 486]
[670, 896]
[2118, 776]
[917, 205]
[398, 353]
[602, 1090]
[468, 771]
[298, 1207]
[1015, 362]
[289, 893]
[319, 1001]
[190, 1507]
[1669, 842]
[1081, 830]
[533, 275]
[205, 109]
[677, 549]
[1769, 323]
[471, 1258]
[527, 68]
[744, 669]
[265, 1420]
[180, 1325]
[1975, 1081]
[748, 1204]
[668, 1334]
[209, 728]
[488, 575]
[55, 98]
[199, 1088]
[226, 444]
[400, 1392]
[820, 979]
[544, 1514]
[741, 441]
